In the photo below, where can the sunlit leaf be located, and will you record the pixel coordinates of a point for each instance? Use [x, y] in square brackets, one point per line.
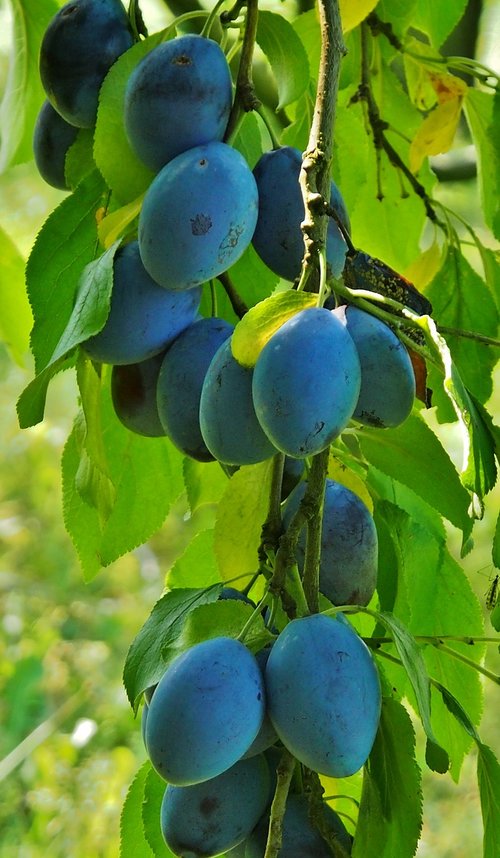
[286, 55]
[133, 843]
[483, 116]
[352, 12]
[15, 318]
[262, 321]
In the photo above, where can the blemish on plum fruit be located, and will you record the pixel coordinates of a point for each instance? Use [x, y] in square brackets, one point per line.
[208, 805]
[201, 224]
[182, 60]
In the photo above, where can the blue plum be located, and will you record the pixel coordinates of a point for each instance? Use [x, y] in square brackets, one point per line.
[323, 694]
[206, 711]
[198, 216]
[79, 46]
[266, 737]
[233, 593]
[133, 390]
[349, 545]
[144, 318]
[387, 379]
[144, 719]
[52, 138]
[306, 383]
[300, 838]
[180, 382]
[278, 237]
[178, 97]
[228, 422]
[217, 815]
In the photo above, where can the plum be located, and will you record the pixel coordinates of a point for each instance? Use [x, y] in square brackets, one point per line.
[79, 46]
[133, 390]
[144, 318]
[180, 382]
[52, 138]
[178, 97]
[300, 838]
[217, 815]
[306, 383]
[228, 422]
[206, 711]
[387, 379]
[278, 237]
[198, 216]
[266, 737]
[349, 545]
[323, 694]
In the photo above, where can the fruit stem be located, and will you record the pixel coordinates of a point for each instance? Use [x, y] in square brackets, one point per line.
[211, 18]
[314, 178]
[244, 97]
[255, 613]
[314, 498]
[237, 303]
[272, 527]
[284, 774]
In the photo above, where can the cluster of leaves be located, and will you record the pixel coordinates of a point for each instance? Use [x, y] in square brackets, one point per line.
[399, 102]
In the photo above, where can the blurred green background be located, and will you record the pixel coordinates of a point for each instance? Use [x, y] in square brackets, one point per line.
[69, 745]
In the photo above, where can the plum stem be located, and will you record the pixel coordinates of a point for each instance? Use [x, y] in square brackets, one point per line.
[314, 497]
[314, 178]
[244, 97]
[237, 303]
[284, 774]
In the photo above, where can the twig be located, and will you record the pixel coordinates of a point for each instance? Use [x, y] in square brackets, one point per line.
[237, 303]
[284, 774]
[244, 98]
[316, 489]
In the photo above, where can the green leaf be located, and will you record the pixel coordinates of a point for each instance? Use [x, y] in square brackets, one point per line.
[248, 140]
[308, 30]
[390, 813]
[483, 116]
[488, 776]
[15, 319]
[286, 54]
[65, 244]
[225, 618]
[398, 12]
[31, 403]
[253, 280]
[80, 158]
[123, 171]
[437, 20]
[154, 790]
[147, 477]
[240, 516]
[414, 664]
[404, 453]
[154, 646]
[205, 483]
[461, 300]
[260, 323]
[133, 843]
[495, 551]
[196, 567]
[23, 93]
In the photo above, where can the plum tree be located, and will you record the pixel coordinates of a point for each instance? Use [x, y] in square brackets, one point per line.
[206, 711]
[52, 138]
[323, 694]
[80, 45]
[180, 382]
[133, 390]
[228, 421]
[306, 383]
[349, 545]
[387, 388]
[217, 815]
[300, 838]
[198, 216]
[144, 317]
[178, 97]
[278, 237]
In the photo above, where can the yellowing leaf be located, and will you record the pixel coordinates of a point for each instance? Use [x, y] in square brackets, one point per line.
[341, 473]
[262, 321]
[112, 226]
[437, 131]
[447, 87]
[352, 12]
[424, 268]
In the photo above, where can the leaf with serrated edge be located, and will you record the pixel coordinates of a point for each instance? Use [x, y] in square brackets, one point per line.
[113, 225]
[241, 513]
[148, 654]
[154, 790]
[196, 567]
[286, 54]
[390, 813]
[260, 323]
[133, 843]
[226, 618]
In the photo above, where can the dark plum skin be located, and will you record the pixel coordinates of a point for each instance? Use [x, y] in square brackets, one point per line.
[300, 838]
[349, 545]
[206, 711]
[228, 422]
[293, 470]
[133, 390]
[80, 45]
[278, 238]
[178, 97]
[198, 216]
[323, 694]
[217, 815]
[266, 737]
[180, 382]
[387, 379]
[144, 318]
[52, 138]
[233, 593]
[306, 383]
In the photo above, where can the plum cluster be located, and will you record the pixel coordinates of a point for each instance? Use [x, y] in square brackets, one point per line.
[214, 725]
